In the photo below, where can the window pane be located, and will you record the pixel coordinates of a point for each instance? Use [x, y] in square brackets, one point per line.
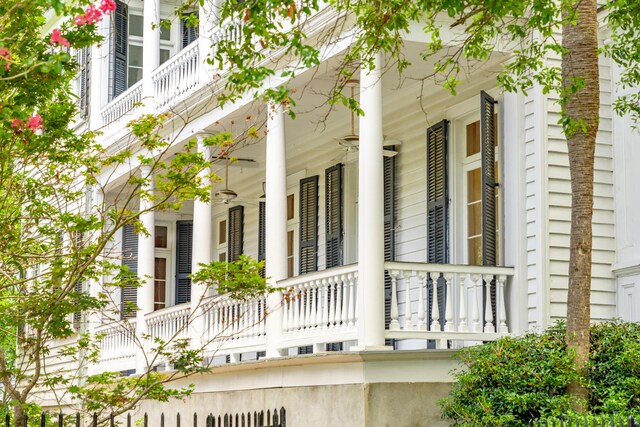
[161, 236]
[290, 257]
[165, 33]
[222, 232]
[473, 138]
[475, 251]
[222, 256]
[474, 185]
[160, 283]
[165, 54]
[290, 206]
[135, 55]
[474, 222]
[134, 75]
[135, 25]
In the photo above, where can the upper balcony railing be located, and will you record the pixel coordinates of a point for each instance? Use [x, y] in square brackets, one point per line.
[450, 304]
[174, 79]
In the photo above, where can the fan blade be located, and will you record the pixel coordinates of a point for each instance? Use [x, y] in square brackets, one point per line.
[389, 153]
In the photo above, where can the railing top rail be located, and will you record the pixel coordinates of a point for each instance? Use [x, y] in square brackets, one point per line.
[136, 86]
[449, 268]
[174, 309]
[129, 324]
[176, 58]
[317, 275]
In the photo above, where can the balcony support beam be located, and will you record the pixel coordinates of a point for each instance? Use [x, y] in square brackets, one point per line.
[201, 251]
[275, 223]
[151, 51]
[146, 267]
[370, 300]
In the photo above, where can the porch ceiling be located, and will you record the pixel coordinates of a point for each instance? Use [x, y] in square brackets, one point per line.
[312, 136]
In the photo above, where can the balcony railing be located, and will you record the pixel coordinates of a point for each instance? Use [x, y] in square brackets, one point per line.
[169, 324]
[122, 106]
[447, 302]
[178, 76]
[118, 345]
[451, 304]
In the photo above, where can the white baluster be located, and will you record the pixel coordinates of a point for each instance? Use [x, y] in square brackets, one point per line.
[352, 302]
[296, 308]
[435, 307]
[463, 327]
[500, 298]
[325, 303]
[394, 325]
[449, 326]
[344, 289]
[488, 312]
[307, 304]
[475, 313]
[406, 276]
[313, 294]
[332, 301]
[422, 324]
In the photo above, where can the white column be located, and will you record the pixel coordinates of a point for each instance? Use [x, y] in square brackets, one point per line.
[98, 75]
[370, 301]
[146, 264]
[151, 48]
[201, 253]
[275, 222]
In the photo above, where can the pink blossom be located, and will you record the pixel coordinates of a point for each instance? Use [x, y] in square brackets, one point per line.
[92, 15]
[80, 20]
[107, 6]
[56, 38]
[4, 53]
[16, 123]
[34, 122]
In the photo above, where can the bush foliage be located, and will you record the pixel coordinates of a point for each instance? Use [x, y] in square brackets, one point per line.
[513, 380]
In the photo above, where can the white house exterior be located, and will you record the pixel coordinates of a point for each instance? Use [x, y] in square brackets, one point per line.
[355, 235]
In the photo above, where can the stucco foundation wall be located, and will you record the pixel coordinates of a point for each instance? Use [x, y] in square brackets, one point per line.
[367, 405]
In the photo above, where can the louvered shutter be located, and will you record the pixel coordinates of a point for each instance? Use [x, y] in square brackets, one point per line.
[129, 297]
[236, 233]
[261, 234]
[119, 60]
[437, 210]
[189, 34]
[389, 185]
[184, 247]
[437, 194]
[84, 61]
[334, 218]
[308, 224]
[488, 142]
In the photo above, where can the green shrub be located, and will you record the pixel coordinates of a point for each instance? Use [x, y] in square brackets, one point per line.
[513, 380]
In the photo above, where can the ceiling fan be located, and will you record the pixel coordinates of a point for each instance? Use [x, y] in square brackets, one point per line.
[351, 142]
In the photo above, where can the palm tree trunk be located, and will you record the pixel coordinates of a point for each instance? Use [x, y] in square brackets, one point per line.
[581, 104]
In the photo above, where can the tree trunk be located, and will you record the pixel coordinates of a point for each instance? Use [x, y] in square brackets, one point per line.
[581, 108]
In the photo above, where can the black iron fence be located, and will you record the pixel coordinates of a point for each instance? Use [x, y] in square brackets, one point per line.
[275, 418]
[603, 421]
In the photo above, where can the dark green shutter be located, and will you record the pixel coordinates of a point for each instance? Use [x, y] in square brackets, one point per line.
[389, 185]
[236, 231]
[119, 40]
[84, 62]
[189, 33]
[334, 217]
[262, 249]
[129, 298]
[437, 194]
[184, 247]
[308, 224]
[437, 211]
[488, 143]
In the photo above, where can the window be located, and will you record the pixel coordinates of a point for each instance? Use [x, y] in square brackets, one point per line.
[162, 265]
[222, 240]
[478, 183]
[135, 49]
